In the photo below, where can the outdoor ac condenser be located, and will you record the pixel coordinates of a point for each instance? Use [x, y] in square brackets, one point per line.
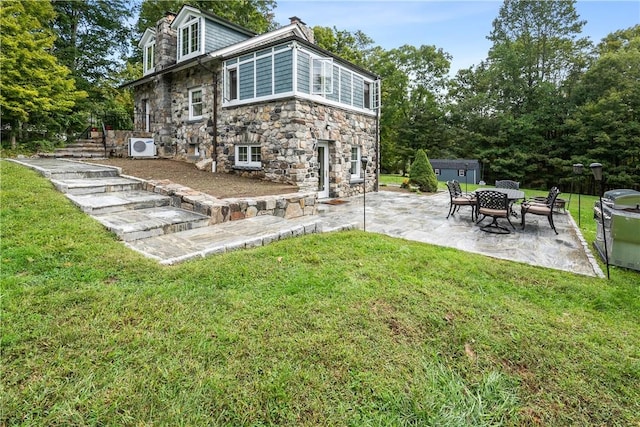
[142, 147]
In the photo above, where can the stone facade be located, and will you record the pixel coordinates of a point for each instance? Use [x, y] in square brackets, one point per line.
[287, 130]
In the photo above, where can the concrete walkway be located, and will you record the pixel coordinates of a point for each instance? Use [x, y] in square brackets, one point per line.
[409, 216]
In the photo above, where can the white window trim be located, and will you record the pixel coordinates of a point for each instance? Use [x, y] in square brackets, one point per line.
[326, 75]
[191, 104]
[250, 151]
[192, 53]
[461, 172]
[357, 174]
[145, 56]
[227, 83]
[436, 171]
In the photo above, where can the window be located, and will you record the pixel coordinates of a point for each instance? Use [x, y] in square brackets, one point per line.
[248, 155]
[148, 57]
[195, 104]
[437, 171]
[354, 170]
[367, 95]
[189, 38]
[461, 172]
[232, 84]
[322, 76]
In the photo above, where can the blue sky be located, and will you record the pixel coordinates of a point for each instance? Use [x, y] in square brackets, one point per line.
[458, 27]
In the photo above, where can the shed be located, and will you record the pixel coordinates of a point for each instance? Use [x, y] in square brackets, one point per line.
[463, 170]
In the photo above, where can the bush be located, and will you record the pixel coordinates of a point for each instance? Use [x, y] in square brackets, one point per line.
[422, 173]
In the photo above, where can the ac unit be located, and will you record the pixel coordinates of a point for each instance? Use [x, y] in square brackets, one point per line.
[142, 147]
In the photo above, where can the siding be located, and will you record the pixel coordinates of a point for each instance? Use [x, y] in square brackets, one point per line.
[263, 76]
[246, 81]
[304, 72]
[358, 91]
[217, 37]
[283, 73]
[336, 85]
[345, 87]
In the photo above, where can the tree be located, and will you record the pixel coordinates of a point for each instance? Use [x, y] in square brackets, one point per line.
[33, 85]
[412, 117]
[606, 125]
[422, 173]
[356, 47]
[93, 38]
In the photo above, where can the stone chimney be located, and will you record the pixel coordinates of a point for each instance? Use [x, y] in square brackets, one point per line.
[166, 42]
[306, 30]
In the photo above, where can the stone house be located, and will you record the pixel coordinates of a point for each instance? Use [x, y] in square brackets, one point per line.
[273, 106]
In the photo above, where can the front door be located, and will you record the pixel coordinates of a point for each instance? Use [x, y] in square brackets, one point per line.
[323, 170]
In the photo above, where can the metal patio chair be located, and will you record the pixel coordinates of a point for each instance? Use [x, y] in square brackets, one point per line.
[541, 207]
[496, 205]
[458, 199]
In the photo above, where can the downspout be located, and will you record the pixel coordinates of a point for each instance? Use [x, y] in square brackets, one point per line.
[214, 134]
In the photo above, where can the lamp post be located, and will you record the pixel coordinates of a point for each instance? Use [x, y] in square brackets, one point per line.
[577, 171]
[364, 160]
[466, 184]
[596, 170]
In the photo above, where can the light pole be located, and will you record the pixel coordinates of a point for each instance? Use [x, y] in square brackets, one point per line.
[364, 160]
[466, 184]
[596, 169]
[577, 171]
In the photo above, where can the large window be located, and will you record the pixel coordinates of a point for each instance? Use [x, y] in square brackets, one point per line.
[354, 169]
[248, 156]
[195, 104]
[148, 60]
[322, 78]
[189, 36]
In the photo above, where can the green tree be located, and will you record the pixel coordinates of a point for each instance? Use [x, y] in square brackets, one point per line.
[354, 47]
[35, 89]
[536, 48]
[93, 38]
[412, 117]
[422, 173]
[606, 125]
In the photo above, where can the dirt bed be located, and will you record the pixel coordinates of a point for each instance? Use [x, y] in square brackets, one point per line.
[221, 185]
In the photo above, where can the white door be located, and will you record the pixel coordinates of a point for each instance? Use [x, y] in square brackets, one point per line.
[323, 170]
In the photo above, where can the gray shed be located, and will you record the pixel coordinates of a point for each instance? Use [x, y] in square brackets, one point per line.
[447, 170]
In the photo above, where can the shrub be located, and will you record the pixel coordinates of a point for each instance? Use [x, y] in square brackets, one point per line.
[422, 173]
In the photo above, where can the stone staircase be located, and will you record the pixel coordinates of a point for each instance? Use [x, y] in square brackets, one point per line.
[122, 205]
[81, 149]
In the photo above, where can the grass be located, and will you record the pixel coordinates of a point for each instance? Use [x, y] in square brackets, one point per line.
[345, 328]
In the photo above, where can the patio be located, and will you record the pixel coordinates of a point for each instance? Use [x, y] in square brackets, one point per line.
[423, 219]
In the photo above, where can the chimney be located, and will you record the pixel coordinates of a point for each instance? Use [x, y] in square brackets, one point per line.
[308, 32]
[166, 42]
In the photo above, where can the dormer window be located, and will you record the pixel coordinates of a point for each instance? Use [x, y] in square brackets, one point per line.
[190, 38]
[149, 57]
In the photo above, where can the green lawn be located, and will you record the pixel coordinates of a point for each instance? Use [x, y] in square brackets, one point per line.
[345, 328]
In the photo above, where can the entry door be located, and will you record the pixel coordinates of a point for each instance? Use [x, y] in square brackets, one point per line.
[323, 170]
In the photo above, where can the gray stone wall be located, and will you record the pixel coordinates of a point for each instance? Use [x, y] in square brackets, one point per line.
[287, 131]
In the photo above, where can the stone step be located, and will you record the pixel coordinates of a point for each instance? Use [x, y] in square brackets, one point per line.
[130, 225]
[103, 203]
[97, 185]
[65, 154]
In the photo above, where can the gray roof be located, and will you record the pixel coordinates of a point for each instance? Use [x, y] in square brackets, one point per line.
[454, 163]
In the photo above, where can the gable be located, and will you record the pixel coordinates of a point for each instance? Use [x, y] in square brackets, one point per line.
[148, 37]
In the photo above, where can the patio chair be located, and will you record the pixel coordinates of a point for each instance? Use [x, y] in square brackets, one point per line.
[541, 207]
[507, 183]
[458, 199]
[513, 185]
[496, 205]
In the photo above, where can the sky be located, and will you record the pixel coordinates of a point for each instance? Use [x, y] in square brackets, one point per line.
[458, 27]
